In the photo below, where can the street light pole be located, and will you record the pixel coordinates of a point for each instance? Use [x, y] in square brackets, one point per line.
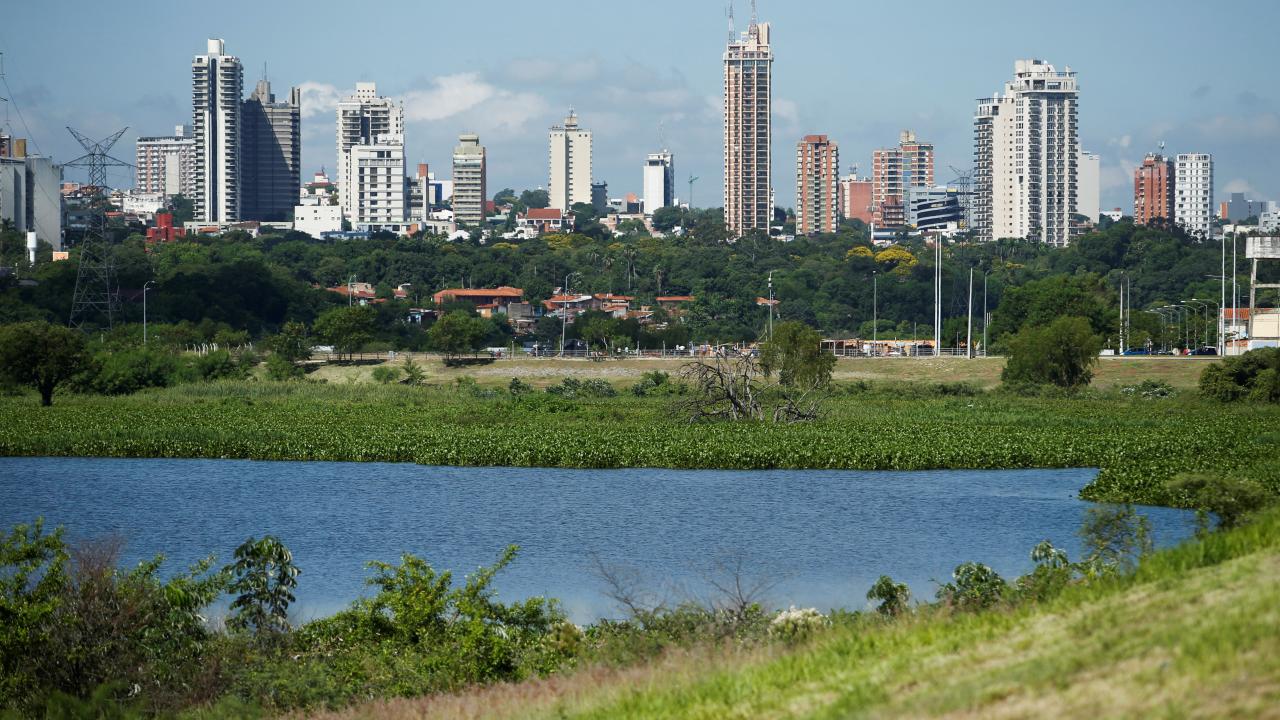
[875, 324]
[985, 318]
[937, 297]
[145, 287]
[968, 342]
[564, 312]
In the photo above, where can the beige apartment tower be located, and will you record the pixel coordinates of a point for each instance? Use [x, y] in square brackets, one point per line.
[469, 186]
[570, 165]
[895, 172]
[748, 109]
[817, 185]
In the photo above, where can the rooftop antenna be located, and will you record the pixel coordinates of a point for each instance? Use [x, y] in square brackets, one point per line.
[733, 31]
[753, 13]
[662, 134]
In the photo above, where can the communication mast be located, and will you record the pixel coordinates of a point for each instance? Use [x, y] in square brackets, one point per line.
[96, 300]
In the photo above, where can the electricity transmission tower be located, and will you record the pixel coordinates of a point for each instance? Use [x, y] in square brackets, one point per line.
[96, 301]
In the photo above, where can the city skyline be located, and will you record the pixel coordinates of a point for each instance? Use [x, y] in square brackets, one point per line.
[640, 90]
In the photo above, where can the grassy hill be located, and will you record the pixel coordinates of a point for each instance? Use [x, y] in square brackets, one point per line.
[1195, 632]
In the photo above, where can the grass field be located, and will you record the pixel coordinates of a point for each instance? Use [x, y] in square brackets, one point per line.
[1195, 633]
[983, 372]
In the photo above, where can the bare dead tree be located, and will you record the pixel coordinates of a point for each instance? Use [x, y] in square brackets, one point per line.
[628, 588]
[735, 588]
[727, 388]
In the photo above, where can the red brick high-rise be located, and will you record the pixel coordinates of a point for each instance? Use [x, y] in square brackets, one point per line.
[817, 185]
[894, 172]
[1153, 186]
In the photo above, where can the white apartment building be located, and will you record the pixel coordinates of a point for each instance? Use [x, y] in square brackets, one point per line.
[365, 119]
[570, 164]
[166, 164]
[1193, 193]
[659, 181]
[1026, 157]
[748, 117]
[376, 182]
[316, 219]
[217, 81]
[1089, 187]
[469, 183]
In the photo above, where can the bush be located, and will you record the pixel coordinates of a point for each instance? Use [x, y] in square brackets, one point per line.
[1254, 376]
[894, 597]
[385, 374]
[571, 388]
[128, 371]
[974, 586]
[1061, 354]
[518, 387]
[1148, 389]
[795, 624]
[281, 368]
[1052, 574]
[1115, 538]
[650, 383]
[1230, 498]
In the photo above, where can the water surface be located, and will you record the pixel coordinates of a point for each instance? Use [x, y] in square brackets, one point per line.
[822, 536]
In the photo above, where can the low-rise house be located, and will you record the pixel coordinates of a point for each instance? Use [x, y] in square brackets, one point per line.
[503, 295]
[673, 303]
[546, 220]
[569, 306]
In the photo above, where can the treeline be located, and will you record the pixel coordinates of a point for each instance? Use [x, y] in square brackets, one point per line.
[829, 282]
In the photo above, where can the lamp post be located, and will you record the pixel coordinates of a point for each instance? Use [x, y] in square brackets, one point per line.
[1193, 307]
[564, 311]
[1218, 310]
[145, 287]
[875, 325]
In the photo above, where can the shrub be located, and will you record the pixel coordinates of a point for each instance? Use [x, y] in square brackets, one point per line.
[281, 368]
[894, 597]
[1115, 538]
[518, 387]
[264, 577]
[413, 372]
[651, 383]
[128, 371]
[1254, 376]
[974, 586]
[1228, 497]
[795, 624]
[385, 374]
[1061, 353]
[571, 388]
[1148, 389]
[1052, 573]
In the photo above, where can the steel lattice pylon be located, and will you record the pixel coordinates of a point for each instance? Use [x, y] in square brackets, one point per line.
[96, 301]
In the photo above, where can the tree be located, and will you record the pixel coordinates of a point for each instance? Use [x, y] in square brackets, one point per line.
[1115, 538]
[458, 332]
[347, 328]
[795, 356]
[1062, 354]
[536, 199]
[41, 355]
[1254, 375]
[264, 577]
[894, 597]
[292, 343]
[665, 219]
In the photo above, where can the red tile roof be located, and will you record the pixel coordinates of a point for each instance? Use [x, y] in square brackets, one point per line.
[674, 298]
[544, 214]
[504, 291]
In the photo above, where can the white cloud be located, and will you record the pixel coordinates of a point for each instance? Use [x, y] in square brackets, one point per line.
[319, 98]
[787, 110]
[1240, 185]
[448, 96]
[1123, 141]
[1234, 127]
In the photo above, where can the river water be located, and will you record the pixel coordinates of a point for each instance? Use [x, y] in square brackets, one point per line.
[818, 538]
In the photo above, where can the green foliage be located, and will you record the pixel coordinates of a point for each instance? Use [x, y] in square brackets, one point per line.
[292, 343]
[1229, 497]
[386, 374]
[40, 355]
[413, 372]
[654, 382]
[795, 355]
[459, 332]
[1061, 353]
[1115, 538]
[1253, 376]
[32, 580]
[1052, 574]
[974, 587]
[124, 372]
[571, 388]
[1148, 389]
[518, 387]
[263, 580]
[281, 368]
[894, 597]
[347, 328]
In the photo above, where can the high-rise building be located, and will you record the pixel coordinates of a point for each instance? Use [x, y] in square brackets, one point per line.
[1026, 155]
[217, 84]
[895, 171]
[570, 165]
[1153, 184]
[469, 188]
[659, 181]
[30, 192]
[270, 154]
[856, 198]
[748, 118]
[1193, 193]
[377, 124]
[1089, 186]
[166, 164]
[817, 185]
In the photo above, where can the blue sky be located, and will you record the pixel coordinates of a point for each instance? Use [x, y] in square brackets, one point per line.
[1199, 76]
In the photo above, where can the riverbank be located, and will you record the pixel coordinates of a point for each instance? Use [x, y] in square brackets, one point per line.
[1137, 443]
[1195, 632]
